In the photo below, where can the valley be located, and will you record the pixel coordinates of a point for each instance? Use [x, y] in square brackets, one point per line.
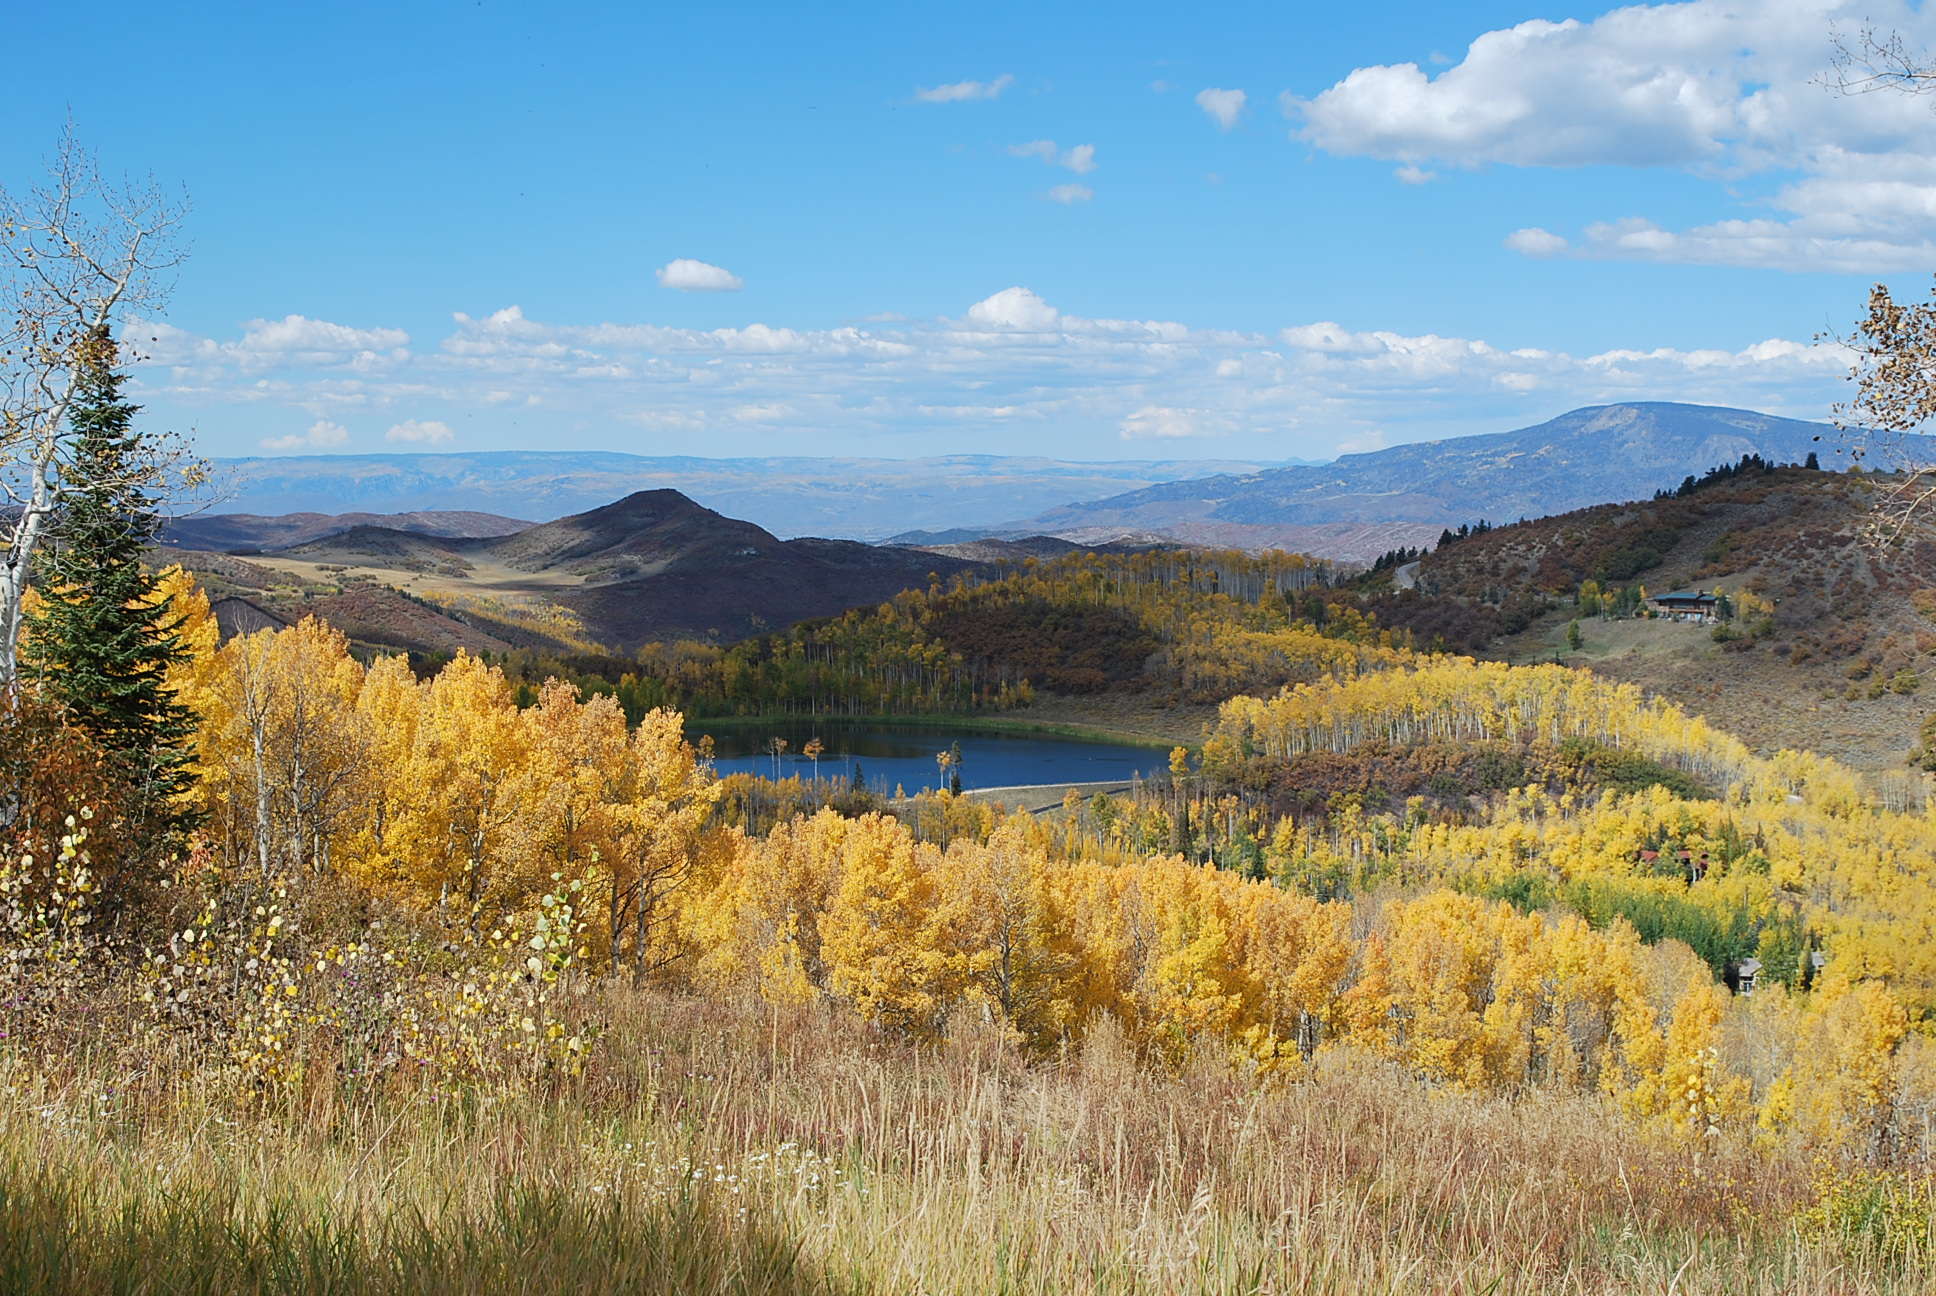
[1827, 671]
[988, 650]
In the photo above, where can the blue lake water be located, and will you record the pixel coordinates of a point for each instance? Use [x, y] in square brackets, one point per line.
[891, 754]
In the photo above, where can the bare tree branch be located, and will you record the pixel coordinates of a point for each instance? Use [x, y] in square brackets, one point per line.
[1875, 60]
[78, 256]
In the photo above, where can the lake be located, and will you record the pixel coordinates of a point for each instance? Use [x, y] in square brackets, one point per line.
[895, 754]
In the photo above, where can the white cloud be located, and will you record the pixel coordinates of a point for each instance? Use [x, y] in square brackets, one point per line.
[1536, 242]
[1415, 175]
[1014, 308]
[1164, 423]
[688, 275]
[1071, 193]
[297, 334]
[321, 435]
[1080, 159]
[1002, 370]
[1730, 90]
[267, 344]
[1224, 106]
[961, 91]
[413, 432]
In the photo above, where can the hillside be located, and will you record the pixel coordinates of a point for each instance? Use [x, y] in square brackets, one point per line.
[653, 565]
[1836, 666]
[1373, 500]
[857, 498]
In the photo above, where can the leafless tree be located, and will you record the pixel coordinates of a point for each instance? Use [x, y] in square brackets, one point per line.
[1895, 378]
[79, 256]
[1895, 346]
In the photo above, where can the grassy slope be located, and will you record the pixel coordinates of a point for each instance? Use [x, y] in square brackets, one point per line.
[715, 1149]
[1793, 536]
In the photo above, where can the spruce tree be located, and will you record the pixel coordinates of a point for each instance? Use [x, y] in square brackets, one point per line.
[100, 643]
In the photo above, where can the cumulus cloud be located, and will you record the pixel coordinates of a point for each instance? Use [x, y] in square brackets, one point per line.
[413, 432]
[1536, 242]
[1729, 90]
[320, 435]
[1415, 175]
[688, 275]
[1223, 106]
[998, 372]
[962, 91]
[1014, 308]
[1071, 193]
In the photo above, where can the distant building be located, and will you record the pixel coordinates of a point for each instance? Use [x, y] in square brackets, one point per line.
[1686, 605]
[1745, 974]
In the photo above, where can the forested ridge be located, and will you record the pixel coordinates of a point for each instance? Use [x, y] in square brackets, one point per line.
[1178, 625]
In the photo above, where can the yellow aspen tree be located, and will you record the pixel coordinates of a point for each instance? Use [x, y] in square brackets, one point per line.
[1691, 1092]
[568, 789]
[887, 938]
[278, 735]
[389, 709]
[1842, 1088]
[448, 833]
[1019, 958]
[1192, 990]
[1298, 952]
[660, 805]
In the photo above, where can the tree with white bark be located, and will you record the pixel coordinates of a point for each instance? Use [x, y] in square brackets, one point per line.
[80, 257]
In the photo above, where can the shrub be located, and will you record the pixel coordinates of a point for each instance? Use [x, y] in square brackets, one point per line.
[49, 771]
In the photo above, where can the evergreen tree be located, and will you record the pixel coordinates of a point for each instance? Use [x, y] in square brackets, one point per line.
[100, 643]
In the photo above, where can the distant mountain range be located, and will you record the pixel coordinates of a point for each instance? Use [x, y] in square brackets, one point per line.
[230, 532]
[864, 499]
[1363, 504]
[1357, 506]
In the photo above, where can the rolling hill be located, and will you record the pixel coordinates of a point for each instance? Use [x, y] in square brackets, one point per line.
[1364, 504]
[654, 565]
[234, 532]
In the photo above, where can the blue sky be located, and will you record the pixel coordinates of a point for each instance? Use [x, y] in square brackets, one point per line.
[742, 229]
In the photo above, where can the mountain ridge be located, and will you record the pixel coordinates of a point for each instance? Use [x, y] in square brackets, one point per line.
[1585, 456]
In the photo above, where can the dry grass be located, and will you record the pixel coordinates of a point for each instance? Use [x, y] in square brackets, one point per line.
[722, 1149]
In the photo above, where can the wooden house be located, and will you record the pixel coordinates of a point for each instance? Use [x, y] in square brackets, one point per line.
[1686, 605]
